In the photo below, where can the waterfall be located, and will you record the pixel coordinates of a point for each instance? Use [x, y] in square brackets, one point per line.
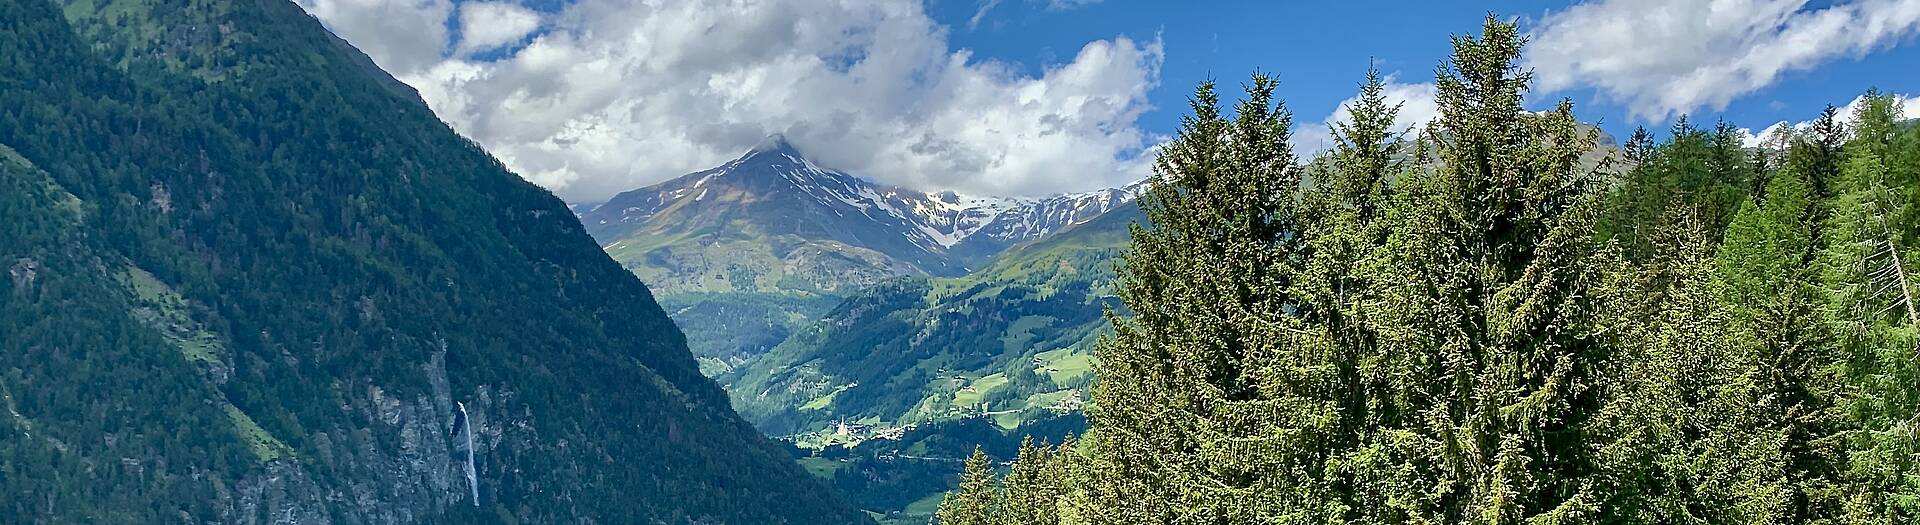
[473, 481]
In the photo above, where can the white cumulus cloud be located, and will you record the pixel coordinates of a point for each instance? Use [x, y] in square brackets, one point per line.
[1666, 57]
[610, 95]
[485, 26]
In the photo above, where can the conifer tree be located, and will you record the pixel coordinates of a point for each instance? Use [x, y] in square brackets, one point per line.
[1639, 146]
[1368, 151]
[1775, 319]
[1705, 171]
[1488, 305]
[1337, 288]
[978, 500]
[1725, 337]
[1734, 172]
[1033, 486]
[1869, 271]
[1676, 433]
[1816, 156]
[1211, 405]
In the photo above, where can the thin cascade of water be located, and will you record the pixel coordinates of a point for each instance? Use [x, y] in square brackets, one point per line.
[473, 481]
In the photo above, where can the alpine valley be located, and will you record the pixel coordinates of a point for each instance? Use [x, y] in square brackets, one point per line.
[884, 331]
[745, 254]
[308, 262]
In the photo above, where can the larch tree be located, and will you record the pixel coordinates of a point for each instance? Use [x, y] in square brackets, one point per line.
[1774, 305]
[1869, 271]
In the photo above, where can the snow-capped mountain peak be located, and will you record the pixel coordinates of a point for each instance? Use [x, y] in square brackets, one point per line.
[775, 184]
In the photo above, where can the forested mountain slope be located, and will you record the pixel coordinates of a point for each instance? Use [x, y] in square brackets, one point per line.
[251, 278]
[1010, 341]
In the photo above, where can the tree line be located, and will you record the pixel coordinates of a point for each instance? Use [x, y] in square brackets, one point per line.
[1491, 321]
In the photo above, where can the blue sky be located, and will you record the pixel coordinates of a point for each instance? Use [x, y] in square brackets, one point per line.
[1320, 50]
[1031, 97]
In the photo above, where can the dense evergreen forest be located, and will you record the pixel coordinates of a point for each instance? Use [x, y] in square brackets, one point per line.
[1474, 323]
[250, 278]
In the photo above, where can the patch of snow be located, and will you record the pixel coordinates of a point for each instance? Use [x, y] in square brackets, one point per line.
[935, 221]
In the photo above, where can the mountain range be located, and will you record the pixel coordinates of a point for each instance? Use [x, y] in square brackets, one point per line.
[746, 252]
[845, 314]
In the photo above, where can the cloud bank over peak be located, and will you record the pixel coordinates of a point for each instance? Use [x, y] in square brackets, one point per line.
[603, 96]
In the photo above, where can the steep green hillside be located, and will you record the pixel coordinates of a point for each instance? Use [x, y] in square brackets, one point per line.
[727, 329]
[1008, 342]
[249, 277]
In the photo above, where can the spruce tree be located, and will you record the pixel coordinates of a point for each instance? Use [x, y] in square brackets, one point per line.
[1346, 239]
[1368, 152]
[1727, 336]
[977, 501]
[1212, 406]
[1817, 157]
[1705, 171]
[1676, 433]
[1734, 172]
[1639, 146]
[1033, 486]
[1488, 305]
